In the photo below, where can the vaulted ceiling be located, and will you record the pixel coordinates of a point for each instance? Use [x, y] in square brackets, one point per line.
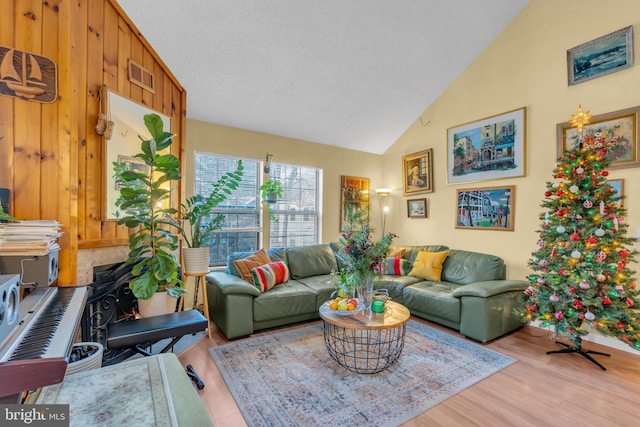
[352, 73]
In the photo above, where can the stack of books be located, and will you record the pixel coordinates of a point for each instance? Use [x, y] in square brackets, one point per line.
[37, 237]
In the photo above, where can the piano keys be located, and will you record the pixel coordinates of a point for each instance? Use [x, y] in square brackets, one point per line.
[37, 351]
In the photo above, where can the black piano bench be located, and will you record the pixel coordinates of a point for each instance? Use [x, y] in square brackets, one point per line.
[133, 333]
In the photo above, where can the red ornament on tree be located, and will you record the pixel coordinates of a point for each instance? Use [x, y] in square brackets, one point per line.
[560, 212]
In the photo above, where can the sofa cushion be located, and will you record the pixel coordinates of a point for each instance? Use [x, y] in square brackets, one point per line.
[397, 267]
[275, 254]
[433, 298]
[267, 276]
[244, 266]
[396, 252]
[428, 265]
[412, 251]
[337, 247]
[395, 285]
[290, 298]
[321, 285]
[278, 254]
[311, 260]
[466, 267]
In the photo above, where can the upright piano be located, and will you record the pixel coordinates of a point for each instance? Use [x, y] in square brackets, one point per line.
[36, 351]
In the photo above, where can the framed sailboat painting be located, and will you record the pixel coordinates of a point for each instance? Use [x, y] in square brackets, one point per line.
[27, 76]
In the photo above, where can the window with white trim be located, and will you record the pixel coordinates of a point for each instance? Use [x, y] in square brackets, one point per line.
[297, 212]
[241, 227]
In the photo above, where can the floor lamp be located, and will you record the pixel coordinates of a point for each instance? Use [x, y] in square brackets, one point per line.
[383, 200]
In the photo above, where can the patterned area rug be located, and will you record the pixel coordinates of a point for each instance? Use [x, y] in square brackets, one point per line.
[289, 379]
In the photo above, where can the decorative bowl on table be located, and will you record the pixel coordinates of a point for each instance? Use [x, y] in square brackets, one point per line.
[359, 307]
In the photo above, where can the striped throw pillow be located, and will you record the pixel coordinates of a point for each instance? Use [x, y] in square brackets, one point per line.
[267, 276]
[397, 267]
[244, 265]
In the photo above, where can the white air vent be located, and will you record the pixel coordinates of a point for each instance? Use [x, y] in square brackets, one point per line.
[141, 76]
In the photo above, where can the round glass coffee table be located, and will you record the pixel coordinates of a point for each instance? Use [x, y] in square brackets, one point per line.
[365, 342]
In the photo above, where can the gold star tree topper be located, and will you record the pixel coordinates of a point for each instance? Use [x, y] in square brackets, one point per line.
[580, 118]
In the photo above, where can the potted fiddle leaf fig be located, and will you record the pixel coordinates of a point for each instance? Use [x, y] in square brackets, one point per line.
[143, 200]
[271, 190]
[196, 230]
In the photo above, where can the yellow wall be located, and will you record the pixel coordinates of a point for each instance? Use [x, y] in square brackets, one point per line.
[525, 66]
[213, 138]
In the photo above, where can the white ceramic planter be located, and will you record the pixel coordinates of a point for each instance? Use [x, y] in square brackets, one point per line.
[196, 260]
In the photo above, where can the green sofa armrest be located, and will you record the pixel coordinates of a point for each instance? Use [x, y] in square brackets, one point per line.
[230, 284]
[490, 288]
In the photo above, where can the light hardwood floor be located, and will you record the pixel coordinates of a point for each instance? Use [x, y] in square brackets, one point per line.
[537, 390]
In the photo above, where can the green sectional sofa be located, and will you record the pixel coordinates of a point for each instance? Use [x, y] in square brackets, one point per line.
[472, 297]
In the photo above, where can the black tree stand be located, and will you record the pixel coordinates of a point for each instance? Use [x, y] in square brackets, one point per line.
[578, 349]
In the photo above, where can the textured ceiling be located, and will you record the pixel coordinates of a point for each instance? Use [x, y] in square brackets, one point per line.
[349, 73]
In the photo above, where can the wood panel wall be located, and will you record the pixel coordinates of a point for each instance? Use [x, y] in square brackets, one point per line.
[50, 154]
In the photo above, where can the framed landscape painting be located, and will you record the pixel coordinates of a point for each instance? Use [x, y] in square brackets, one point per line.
[490, 148]
[489, 208]
[621, 125]
[417, 208]
[605, 55]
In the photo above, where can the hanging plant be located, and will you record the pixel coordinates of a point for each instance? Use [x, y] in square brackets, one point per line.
[271, 190]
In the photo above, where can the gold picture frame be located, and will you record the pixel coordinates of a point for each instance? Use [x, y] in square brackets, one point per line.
[354, 195]
[417, 172]
[608, 54]
[622, 124]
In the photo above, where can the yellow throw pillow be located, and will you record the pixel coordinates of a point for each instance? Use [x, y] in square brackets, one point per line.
[428, 265]
[244, 266]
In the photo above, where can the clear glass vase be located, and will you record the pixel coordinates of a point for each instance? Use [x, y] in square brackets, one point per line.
[365, 291]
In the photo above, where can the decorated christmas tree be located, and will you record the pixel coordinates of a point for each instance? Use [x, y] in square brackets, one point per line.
[582, 280]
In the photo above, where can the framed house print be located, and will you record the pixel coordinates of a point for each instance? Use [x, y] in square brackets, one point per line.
[354, 195]
[619, 126]
[490, 148]
[489, 208]
[417, 172]
[605, 55]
